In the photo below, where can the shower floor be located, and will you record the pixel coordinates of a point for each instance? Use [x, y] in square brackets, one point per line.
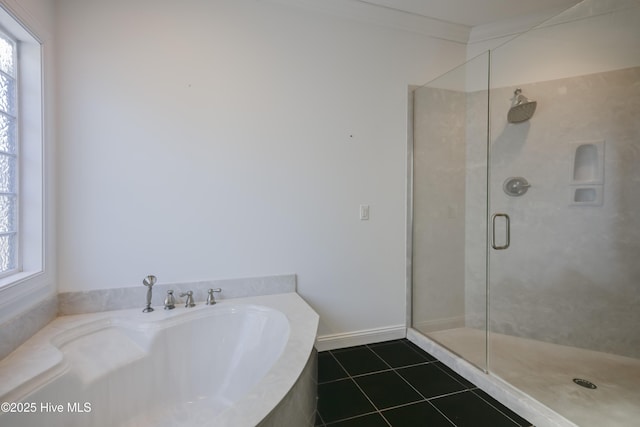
[546, 371]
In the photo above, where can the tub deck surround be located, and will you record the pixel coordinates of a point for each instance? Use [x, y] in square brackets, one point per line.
[18, 329]
[132, 297]
[228, 364]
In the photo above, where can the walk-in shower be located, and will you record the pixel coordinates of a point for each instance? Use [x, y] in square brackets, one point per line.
[535, 280]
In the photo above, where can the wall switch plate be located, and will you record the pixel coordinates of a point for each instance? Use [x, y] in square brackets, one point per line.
[364, 212]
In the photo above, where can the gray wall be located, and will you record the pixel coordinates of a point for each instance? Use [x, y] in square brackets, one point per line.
[571, 275]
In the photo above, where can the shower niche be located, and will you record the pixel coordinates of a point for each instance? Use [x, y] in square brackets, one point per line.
[587, 173]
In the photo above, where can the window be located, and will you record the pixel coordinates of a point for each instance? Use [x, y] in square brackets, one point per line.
[9, 259]
[22, 160]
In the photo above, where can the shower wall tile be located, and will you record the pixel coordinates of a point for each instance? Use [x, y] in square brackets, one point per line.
[122, 298]
[19, 329]
[475, 209]
[571, 275]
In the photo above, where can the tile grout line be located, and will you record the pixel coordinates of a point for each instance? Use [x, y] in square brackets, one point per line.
[458, 392]
[361, 390]
[395, 370]
[442, 395]
[453, 393]
[406, 342]
[350, 418]
[451, 376]
[356, 376]
[475, 387]
[375, 372]
[498, 409]
[424, 399]
[418, 391]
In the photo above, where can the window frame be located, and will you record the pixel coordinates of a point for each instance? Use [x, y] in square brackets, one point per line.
[30, 131]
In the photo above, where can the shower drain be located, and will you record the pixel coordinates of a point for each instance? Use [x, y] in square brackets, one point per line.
[585, 383]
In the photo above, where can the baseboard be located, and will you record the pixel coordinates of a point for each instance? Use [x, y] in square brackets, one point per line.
[367, 336]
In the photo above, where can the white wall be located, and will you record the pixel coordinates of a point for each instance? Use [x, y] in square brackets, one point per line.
[203, 140]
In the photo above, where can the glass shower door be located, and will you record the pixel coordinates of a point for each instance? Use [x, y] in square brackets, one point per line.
[449, 264]
[564, 272]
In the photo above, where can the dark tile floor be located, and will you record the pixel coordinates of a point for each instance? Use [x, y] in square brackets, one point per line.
[398, 384]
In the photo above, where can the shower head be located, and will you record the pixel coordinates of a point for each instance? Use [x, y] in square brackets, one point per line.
[522, 108]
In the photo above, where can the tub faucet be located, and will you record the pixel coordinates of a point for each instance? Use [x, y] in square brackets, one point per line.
[189, 302]
[169, 301]
[149, 281]
[210, 298]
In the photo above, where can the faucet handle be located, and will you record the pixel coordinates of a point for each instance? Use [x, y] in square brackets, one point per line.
[189, 302]
[169, 301]
[210, 298]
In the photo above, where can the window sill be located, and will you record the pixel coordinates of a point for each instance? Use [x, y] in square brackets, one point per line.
[16, 279]
[21, 291]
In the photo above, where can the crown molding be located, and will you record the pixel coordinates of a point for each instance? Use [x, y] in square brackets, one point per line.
[511, 27]
[28, 21]
[384, 16]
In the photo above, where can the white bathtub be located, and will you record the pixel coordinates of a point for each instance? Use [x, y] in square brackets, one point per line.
[242, 362]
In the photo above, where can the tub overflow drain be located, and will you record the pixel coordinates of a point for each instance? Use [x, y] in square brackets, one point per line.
[585, 383]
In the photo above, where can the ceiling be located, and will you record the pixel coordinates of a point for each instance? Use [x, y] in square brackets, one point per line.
[473, 13]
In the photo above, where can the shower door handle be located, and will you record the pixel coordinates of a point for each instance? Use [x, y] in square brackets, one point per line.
[507, 229]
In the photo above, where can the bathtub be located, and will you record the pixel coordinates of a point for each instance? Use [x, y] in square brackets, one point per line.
[242, 362]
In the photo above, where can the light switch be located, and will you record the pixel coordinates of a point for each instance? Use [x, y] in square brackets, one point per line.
[364, 212]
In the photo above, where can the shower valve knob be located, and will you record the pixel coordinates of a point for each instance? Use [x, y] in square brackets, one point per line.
[515, 186]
